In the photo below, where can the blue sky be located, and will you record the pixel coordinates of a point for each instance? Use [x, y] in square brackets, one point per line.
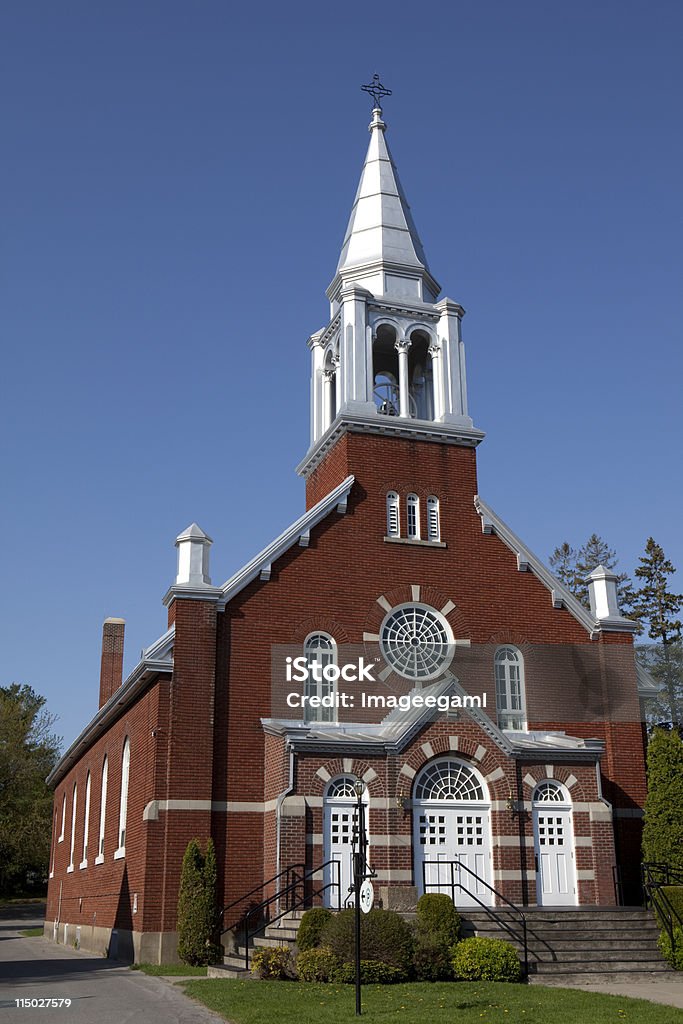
[176, 180]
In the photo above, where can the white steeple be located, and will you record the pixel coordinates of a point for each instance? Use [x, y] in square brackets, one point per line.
[391, 358]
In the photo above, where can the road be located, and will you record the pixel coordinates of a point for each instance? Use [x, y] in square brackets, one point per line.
[101, 991]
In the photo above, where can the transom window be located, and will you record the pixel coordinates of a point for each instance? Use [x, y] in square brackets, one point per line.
[413, 516]
[449, 780]
[549, 793]
[509, 671]
[416, 642]
[342, 787]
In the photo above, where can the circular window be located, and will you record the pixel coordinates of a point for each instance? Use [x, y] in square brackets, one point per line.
[416, 642]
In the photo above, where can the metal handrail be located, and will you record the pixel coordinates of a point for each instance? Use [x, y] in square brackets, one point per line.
[257, 888]
[453, 885]
[291, 904]
[655, 876]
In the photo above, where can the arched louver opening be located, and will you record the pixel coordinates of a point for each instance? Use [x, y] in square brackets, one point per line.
[393, 517]
[433, 518]
[413, 516]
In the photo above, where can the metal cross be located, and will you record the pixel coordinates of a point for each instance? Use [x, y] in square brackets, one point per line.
[376, 90]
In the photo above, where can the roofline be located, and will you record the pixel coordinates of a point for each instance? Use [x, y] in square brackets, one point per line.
[528, 561]
[299, 532]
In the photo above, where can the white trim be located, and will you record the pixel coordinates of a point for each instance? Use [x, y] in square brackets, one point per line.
[99, 859]
[120, 853]
[83, 864]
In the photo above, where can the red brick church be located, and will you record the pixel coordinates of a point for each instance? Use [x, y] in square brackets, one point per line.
[517, 749]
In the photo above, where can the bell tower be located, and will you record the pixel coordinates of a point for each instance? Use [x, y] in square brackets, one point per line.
[391, 359]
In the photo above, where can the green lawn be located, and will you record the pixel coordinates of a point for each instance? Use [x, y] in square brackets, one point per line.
[260, 1002]
[31, 933]
[169, 970]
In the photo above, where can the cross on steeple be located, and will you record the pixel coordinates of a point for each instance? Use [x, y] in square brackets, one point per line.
[377, 91]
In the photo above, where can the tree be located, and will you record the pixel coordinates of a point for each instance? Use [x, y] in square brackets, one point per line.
[28, 752]
[197, 912]
[658, 607]
[663, 828]
[572, 567]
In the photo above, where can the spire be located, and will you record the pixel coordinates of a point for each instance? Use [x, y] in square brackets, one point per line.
[382, 250]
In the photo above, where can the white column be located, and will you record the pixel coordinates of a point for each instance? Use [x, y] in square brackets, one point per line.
[403, 393]
[317, 408]
[437, 380]
[336, 375]
[328, 411]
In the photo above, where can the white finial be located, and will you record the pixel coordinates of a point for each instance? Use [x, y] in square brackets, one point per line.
[193, 557]
[602, 593]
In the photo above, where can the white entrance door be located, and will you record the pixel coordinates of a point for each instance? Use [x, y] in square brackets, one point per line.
[554, 849]
[448, 836]
[339, 822]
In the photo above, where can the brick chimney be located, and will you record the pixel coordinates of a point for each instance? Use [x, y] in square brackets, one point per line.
[111, 672]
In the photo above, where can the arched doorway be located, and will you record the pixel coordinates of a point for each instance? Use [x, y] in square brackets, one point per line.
[340, 810]
[451, 825]
[554, 846]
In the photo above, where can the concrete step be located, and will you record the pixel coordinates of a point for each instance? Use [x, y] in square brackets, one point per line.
[652, 966]
[281, 935]
[568, 980]
[229, 969]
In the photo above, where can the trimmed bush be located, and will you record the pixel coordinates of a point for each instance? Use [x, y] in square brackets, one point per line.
[675, 955]
[312, 924]
[316, 964]
[437, 928]
[272, 963]
[372, 972]
[385, 937]
[663, 825]
[674, 894]
[482, 959]
[197, 912]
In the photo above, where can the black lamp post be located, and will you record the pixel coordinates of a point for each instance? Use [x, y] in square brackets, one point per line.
[359, 870]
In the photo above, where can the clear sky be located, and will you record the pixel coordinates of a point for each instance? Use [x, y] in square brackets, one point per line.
[175, 182]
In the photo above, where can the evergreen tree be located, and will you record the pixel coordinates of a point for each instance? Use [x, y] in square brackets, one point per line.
[663, 828]
[197, 915]
[572, 567]
[659, 608]
[563, 564]
[28, 752]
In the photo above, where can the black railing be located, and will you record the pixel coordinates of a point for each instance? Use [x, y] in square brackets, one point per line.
[287, 872]
[298, 892]
[455, 867]
[655, 877]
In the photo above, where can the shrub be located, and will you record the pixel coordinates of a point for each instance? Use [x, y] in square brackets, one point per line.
[674, 894]
[316, 964]
[312, 924]
[372, 972]
[482, 959]
[437, 928]
[675, 955]
[663, 825]
[385, 937]
[197, 913]
[272, 963]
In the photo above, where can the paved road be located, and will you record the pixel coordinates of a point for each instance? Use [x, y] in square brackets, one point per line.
[101, 991]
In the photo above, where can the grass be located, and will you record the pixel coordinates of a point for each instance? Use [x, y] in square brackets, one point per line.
[31, 933]
[169, 970]
[252, 1002]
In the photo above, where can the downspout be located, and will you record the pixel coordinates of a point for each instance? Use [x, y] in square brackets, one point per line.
[602, 799]
[278, 817]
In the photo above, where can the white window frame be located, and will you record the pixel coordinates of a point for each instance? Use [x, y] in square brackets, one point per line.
[323, 688]
[433, 519]
[510, 718]
[99, 859]
[412, 517]
[73, 828]
[123, 800]
[86, 824]
[393, 515]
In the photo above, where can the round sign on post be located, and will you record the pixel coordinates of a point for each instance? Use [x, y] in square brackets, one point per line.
[367, 897]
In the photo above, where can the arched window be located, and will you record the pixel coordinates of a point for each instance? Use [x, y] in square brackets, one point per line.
[53, 847]
[413, 516]
[103, 811]
[550, 793]
[73, 828]
[86, 823]
[448, 779]
[320, 652]
[433, 522]
[61, 831]
[123, 802]
[510, 704]
[393, 515]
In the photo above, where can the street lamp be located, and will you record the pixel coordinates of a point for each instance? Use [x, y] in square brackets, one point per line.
[359, 867]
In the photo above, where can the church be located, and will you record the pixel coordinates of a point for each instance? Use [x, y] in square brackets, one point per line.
[398, 633]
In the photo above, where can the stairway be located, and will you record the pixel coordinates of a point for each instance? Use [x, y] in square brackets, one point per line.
[282, 933]
[581, 944]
